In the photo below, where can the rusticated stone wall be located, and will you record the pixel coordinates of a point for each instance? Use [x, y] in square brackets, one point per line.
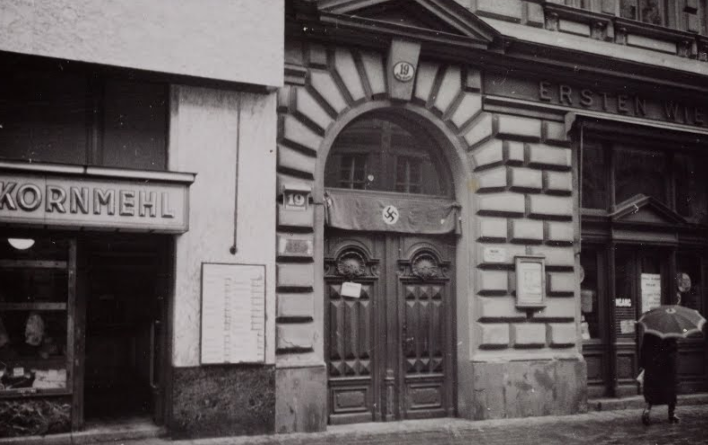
[516, 190]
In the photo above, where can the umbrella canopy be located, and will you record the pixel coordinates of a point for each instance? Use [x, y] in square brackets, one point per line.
[672, 321]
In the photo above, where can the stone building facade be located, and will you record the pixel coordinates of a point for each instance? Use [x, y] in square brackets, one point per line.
[514, 97]
[342, 211]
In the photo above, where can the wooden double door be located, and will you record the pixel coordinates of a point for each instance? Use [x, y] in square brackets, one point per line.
[389, 326]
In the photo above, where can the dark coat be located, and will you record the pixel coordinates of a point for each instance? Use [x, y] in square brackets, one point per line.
[659, 359]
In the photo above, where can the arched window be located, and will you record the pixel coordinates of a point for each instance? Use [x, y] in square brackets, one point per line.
[387, 154]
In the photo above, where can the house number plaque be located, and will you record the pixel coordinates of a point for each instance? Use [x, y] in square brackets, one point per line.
[403, 71]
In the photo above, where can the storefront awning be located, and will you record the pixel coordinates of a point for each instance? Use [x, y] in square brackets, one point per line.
[382, 212]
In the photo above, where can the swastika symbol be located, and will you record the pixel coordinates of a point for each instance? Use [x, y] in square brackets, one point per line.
[390, 215]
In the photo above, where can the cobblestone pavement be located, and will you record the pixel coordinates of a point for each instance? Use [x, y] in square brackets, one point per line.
[595, 428]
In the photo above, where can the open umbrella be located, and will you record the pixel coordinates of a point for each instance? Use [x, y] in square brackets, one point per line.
[672, 321]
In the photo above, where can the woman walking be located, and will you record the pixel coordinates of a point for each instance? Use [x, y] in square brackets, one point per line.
[659, 359]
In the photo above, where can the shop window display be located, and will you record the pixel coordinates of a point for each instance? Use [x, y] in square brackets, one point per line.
[625, 290]
[688, 281]
[589, 295]
[34, 293]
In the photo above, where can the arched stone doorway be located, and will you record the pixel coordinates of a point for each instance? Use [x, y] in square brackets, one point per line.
[391, 229]
[315, 107]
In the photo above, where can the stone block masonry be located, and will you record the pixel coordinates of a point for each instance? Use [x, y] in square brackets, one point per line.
[529, 210]
[520, 191]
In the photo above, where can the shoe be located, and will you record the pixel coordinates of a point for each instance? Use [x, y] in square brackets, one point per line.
[674, 419]
[646, 420]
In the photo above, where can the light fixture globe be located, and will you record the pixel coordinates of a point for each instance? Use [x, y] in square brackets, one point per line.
[21, 243]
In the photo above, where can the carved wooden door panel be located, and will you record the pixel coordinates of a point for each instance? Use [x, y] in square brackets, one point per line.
[425, 292]
[390, 345]
[352, 331]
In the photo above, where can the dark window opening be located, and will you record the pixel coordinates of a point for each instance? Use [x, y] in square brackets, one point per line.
[352, 172]
[61, 113]
[595, 187]
[386, 155]
[640, 172]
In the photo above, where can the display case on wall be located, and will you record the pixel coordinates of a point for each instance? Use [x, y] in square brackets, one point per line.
[37, 291]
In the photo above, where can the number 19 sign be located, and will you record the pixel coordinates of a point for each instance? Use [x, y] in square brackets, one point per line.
[295, 200]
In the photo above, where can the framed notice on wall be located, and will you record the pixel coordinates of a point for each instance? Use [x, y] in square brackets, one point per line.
[651, 291]
[530, 282]
[233, 313]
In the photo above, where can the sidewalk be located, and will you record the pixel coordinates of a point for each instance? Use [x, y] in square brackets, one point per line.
[617, 427]
[621, 427]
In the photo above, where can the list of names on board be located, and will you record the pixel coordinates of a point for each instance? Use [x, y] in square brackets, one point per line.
[233, 314]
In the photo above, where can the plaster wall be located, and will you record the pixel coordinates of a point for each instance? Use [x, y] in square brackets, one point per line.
[216, 39]
[222, 136]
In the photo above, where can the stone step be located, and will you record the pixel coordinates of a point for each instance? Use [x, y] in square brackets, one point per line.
[636, 402]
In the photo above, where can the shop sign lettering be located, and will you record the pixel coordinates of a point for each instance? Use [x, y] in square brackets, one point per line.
[601, 99]
[623, 302]
[79, 202]
[633, 105]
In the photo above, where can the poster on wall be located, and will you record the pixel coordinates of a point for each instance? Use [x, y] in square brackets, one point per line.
[651, 291]
[233, 314]
[627, 326]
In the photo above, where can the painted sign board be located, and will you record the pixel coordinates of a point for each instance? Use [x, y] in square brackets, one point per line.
[233, 314]
[82, 201]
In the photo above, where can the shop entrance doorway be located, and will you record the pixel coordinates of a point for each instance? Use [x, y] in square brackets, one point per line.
[83, 325]
[125, 282]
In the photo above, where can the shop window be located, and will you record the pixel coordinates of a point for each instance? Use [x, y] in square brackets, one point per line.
[689, 281]
[385, 155]
[691, 187]
[34, 297]
[640, 172]
[589, 295]
[594, 193]
[625, 285]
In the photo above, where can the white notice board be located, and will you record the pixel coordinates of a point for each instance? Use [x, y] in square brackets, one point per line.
[233, 313]
[651, 291]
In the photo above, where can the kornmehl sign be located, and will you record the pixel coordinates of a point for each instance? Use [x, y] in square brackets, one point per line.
[115, 203]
